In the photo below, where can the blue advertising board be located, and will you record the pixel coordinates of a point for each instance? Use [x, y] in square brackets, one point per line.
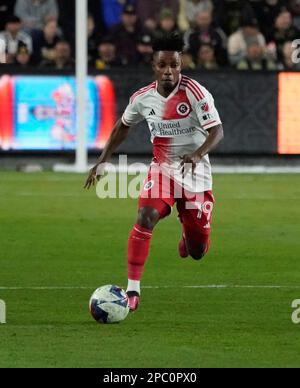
[43, 113]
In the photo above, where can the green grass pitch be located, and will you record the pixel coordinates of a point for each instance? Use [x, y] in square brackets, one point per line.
[57, 236]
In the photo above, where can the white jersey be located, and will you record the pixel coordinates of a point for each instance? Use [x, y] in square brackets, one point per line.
[178, 126]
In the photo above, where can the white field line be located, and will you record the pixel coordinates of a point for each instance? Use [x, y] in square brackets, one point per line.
[233, 197]
[209, 286]
[136, 169]
[256, 169]
[217, 169]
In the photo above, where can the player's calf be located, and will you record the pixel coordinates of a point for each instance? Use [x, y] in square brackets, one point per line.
[182, 249]
[138, 251]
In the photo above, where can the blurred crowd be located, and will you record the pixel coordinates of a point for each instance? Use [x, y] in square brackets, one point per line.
[240, 34]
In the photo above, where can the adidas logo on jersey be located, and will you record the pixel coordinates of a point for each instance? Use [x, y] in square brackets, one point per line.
[152, 113]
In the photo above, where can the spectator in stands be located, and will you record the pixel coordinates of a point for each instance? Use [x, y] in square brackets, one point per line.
[205, 33]
[112, 11]
[256, 58]
[107, 55]
[191, 8]
[125, 36]
[188, 61]
[23, 57]
[144, 48]
[93, 39]
[167, 22]
[283, 31]
[238, 42]
[95, 8]
[13, 37]
[62, 58]
[289, 61]
[227, 15]
[44, 41]
[148, 11]
[66, 20]
[294, 7]
[6, 9]
[266, 12]
[33, 13]
[207, 58]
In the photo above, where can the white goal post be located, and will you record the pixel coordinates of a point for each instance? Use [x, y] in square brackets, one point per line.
[81, 163]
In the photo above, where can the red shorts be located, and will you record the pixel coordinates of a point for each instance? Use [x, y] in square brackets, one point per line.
[195, 210]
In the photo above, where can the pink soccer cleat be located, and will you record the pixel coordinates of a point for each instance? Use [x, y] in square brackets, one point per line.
[183, 252]
[133, 300]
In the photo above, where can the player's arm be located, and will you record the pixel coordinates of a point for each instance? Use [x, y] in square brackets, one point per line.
[131, 117]
[119, 134]
[216, 135]
[210, 122]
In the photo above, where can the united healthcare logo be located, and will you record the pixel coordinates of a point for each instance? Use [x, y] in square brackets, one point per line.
[2, 312]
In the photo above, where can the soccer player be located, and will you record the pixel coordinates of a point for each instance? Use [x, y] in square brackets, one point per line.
[185, 126]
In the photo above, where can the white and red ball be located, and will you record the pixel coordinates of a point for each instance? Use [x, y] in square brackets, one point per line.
[109, 304]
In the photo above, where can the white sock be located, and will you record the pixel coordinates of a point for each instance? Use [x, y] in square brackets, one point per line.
[134, 285]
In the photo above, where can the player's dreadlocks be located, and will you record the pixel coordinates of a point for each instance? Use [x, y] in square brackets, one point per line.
[168, 42]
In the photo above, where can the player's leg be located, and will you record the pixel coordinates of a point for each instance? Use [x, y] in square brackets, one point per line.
[154, 205]
[139, 246]
[196, 224]
[182, 247]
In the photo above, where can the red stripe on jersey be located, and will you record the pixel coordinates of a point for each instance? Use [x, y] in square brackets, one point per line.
[194, 83]
[212, 122]
[195, 93]
[197, 90]
[187, 83]
[142, 91]
[144, 88]
[195, 86]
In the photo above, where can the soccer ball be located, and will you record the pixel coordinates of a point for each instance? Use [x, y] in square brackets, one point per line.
[109, 304]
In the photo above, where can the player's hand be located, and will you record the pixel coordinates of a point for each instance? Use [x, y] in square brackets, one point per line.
[189, 162]
[94, 176]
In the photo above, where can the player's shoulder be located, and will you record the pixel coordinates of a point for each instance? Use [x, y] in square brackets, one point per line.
[194, 88]
[142, 92]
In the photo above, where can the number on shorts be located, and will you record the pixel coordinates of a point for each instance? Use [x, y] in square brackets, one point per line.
[206, 208]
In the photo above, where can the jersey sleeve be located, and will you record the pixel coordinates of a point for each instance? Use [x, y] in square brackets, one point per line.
[132, 115]
[206, 111]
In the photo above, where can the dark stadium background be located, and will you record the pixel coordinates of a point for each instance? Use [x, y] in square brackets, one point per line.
[249, 101]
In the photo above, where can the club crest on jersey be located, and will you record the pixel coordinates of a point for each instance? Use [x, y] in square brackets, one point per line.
[149, 185]
[183, 109]
[205, 107]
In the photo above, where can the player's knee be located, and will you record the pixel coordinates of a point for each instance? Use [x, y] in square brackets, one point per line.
[148, 217]
[198, 253]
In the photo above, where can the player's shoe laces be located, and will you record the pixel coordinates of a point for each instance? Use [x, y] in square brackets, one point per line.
[133, 300]
[183, 252]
